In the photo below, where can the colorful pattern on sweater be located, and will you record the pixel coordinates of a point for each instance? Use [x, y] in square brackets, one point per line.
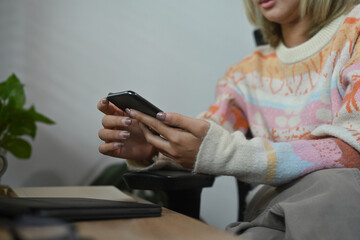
[307, 112]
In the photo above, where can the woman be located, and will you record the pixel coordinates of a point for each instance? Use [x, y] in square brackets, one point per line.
[300, 98]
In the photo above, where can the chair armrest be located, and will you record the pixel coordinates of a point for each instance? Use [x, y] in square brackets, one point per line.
[167, 180]
[183, 189]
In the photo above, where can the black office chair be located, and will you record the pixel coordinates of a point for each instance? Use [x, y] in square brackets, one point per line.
[179, 191]
[182, 188]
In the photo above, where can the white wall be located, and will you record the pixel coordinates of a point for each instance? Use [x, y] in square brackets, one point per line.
[71, 53]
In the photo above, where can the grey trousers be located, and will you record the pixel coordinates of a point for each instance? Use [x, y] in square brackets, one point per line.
[322, 205]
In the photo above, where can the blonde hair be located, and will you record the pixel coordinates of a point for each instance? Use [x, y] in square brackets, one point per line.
[324, 10]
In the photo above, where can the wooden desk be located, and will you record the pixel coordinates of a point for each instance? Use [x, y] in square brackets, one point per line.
[170, 225]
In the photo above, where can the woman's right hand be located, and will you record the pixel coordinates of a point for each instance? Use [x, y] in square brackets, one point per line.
[122, 135]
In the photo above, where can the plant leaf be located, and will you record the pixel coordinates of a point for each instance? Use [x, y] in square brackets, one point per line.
[21, 122]
[20, 148]
[12, 89]
[5, 115]
[39, 117]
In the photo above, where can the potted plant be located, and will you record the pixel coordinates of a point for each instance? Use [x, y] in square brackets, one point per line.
[16, 121]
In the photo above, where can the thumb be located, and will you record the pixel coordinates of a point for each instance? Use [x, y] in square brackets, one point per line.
[195, 126]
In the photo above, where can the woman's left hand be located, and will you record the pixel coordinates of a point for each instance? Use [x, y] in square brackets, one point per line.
[180, 138]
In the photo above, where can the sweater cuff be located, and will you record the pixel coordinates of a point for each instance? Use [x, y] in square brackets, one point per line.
[158, 162]
[211, 158]
[225, 153]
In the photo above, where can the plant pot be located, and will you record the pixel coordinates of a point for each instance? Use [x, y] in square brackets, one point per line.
[3, 165]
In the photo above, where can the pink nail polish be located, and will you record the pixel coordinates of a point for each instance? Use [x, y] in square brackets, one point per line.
[130, 112]
[161, 116]
[124, 135]
[126, 121]
[118, 144]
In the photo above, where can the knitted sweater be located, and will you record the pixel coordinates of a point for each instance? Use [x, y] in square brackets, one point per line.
[301, 104]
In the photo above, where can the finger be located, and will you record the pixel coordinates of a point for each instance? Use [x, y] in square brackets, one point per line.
[152, 123]
[155, 140]
[111, 149]
[168, 148]
[195, 126]
[111, 121]
[108, 108]
[109, 135]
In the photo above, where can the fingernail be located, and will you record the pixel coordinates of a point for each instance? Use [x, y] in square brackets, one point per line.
[161, 116]
[118, 144]
[104, 101]
[131, 113]
[126, 121]
[124, 134]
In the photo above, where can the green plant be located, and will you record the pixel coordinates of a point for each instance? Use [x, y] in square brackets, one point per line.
[16, 120]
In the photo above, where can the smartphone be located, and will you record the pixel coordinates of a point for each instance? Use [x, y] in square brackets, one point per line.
[132, 100]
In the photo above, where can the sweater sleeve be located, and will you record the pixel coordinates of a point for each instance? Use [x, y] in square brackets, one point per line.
[227, 109]
[225, 151]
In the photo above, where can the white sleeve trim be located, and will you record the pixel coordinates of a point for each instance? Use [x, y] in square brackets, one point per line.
[225, 153]
[159, 162]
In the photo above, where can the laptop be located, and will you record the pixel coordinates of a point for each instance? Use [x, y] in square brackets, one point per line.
[76, 209]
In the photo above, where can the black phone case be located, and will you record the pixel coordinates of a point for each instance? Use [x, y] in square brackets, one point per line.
[132, 100]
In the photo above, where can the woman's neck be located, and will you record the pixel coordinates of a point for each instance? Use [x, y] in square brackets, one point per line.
[294, 33]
